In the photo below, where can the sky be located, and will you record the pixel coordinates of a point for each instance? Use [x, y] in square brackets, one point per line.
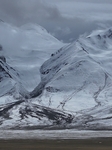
[64, 19]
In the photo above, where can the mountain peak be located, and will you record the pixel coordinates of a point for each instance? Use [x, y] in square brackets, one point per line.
[51, 84]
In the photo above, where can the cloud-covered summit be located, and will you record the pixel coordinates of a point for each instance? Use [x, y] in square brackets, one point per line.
[65, 19]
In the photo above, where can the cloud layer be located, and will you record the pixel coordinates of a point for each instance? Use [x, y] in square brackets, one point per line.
[64, 19]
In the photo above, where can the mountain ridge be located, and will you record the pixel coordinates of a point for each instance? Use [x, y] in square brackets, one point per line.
[68, 86]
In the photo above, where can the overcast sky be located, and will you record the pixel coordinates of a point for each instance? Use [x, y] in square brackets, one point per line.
[65, 19]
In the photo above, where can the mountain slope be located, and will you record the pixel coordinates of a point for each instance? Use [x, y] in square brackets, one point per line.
[25, 49]
[10, 83]
[70, 85]
[78, 78]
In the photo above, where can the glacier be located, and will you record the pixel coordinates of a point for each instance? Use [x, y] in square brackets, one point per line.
[47, 84]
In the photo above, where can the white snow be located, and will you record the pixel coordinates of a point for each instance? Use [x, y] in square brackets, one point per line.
[75, 78]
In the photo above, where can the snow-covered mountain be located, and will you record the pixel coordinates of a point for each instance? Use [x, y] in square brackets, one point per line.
[26, 48]
[55, 85]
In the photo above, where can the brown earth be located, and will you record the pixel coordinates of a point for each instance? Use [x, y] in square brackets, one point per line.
[86, 144]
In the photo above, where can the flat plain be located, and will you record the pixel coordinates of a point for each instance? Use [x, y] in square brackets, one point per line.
[75, 144]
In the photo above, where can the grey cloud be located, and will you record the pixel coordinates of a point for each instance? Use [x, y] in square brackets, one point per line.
[88, 1]
[85, 16]
[20, 12]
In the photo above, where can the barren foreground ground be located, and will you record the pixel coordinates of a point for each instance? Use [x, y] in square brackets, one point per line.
[76, 144]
